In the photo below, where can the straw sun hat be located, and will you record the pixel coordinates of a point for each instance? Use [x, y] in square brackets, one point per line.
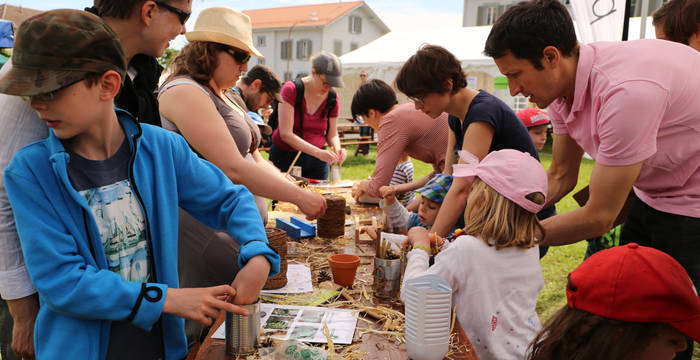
[224, 26]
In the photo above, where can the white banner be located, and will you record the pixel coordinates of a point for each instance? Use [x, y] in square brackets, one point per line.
[599, 20]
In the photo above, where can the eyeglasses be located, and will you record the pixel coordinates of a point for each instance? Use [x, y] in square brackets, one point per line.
[240, 56]
[417, 99]
[181, 14]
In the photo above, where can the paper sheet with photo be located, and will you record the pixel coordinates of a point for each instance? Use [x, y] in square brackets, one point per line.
[298, 281]
[304, 323]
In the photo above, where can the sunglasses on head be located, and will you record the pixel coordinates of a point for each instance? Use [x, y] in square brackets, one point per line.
[240, 56]
[181, 14]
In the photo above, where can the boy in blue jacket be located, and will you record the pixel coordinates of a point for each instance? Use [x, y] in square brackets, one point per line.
[96, 205]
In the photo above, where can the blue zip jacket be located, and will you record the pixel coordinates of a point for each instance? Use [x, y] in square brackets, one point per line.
[79, 295]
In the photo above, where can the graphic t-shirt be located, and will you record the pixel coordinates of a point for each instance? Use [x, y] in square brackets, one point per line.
[108, 192]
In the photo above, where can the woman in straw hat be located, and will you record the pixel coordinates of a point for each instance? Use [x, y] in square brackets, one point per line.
[192, 103]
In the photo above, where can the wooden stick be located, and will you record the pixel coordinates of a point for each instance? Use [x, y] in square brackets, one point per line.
[369, 313]
[293, 162]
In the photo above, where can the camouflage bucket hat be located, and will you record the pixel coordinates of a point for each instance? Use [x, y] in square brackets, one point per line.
[58, 48]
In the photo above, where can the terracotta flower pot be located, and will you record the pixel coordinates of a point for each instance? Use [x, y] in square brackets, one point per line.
[344, 267]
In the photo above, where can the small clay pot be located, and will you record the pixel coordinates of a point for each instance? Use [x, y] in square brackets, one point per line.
[344, 267]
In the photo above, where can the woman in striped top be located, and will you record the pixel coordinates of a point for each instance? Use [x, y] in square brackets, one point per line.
[400, 129]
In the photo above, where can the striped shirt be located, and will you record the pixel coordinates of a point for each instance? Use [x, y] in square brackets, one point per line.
[403, 174]
[406, 129]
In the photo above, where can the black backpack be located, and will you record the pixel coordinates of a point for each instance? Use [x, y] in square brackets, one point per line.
[331, 101]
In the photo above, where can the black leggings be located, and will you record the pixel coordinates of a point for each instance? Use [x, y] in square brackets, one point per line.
[311, 167]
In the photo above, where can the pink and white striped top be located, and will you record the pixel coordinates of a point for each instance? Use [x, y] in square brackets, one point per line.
[410, 130]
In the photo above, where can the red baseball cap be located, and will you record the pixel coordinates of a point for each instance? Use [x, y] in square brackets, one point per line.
[636, 284]
[533, 117]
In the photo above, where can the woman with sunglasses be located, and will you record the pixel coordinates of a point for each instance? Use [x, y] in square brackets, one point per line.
[306, 126]
[192, 103]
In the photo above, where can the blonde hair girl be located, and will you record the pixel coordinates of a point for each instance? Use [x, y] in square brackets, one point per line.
[494, 267]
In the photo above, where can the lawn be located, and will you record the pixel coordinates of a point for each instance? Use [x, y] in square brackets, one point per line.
[558, 262]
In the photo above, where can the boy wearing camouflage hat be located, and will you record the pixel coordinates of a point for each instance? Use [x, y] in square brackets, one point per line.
[144, 28]
[95, 222]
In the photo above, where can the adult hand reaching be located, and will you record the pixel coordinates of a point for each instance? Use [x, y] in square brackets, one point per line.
[342, 155]
[312, 204]
[328, 156]
[359, 189]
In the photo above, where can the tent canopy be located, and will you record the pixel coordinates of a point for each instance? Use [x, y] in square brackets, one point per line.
[395, 47]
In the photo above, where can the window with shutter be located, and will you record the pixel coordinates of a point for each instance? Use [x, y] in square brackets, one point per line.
[303, 49]
[286, 49]
[354, 24]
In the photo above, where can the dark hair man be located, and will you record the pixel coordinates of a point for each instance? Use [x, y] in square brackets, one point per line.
[632, 106]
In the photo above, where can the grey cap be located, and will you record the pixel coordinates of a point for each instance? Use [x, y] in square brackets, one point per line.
[328, 64]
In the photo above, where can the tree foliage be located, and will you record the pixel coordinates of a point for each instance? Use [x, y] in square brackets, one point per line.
[167, 57]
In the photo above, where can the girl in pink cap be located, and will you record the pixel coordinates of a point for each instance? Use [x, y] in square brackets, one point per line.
[493, 268]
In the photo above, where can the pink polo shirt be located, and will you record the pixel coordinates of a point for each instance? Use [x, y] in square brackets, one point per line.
[638, 101]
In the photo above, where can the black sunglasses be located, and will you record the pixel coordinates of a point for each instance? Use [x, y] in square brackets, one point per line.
[181, 14]
[240, 57]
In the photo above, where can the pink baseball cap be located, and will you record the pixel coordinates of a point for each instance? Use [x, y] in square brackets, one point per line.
[636, 284]
[513, 174]
[533, 117]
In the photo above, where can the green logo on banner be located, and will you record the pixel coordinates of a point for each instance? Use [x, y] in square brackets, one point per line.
[500, 83]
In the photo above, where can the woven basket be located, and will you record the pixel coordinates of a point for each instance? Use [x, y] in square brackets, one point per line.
[332, 224]
[278, 241]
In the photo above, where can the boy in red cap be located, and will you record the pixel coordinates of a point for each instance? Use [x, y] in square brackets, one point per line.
[537, 122]
[627, 302]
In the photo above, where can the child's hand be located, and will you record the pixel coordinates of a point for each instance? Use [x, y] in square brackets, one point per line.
[371, 231]
[200, 304]
[417, 236]
[250, 280]
[388, 193]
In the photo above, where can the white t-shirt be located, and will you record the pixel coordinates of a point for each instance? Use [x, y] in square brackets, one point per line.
[495, 292]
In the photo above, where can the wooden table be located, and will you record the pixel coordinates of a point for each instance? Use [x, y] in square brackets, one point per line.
[373, 345]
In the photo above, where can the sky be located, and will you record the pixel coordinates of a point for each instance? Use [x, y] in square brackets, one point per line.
[397, 15]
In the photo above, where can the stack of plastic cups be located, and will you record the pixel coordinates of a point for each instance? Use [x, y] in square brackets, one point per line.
[428, 308]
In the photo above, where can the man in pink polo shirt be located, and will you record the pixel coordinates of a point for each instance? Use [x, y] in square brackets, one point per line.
[632, 106]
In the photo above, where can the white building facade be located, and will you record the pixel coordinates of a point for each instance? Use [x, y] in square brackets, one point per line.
[288, 44]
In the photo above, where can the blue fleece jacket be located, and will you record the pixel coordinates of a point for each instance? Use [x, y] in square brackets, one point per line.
[79, 295]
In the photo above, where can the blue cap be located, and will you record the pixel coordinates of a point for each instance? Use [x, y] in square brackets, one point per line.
[264, 128]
